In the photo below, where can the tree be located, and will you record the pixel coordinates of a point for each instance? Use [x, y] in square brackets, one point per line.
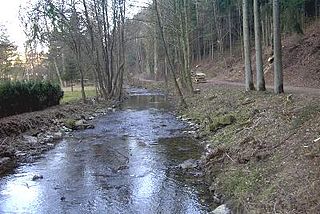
[278, 76]
[94, 32]
[8, 54]
[246, 41]
[258, 46]
[71, 73]
[182, 101]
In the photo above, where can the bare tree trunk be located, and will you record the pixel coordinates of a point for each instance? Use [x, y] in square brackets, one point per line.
[241, 31]
[94, 52]
[198, 46]
[230, 31]
[58, 71]
[246, 41]
[217, 21]
[316, 8]
[258, 45]
[155, 54]
[63, 66]
[79, 58]
[278, 76]
[187, 43]
[183, 102]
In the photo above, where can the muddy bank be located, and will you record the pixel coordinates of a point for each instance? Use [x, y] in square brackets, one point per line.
[261, 148]
[24, 137]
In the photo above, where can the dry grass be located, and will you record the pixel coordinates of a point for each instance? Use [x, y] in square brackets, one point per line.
[265, 160]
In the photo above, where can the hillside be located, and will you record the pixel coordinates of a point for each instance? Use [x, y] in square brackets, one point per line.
[301, 61]
[262, 150]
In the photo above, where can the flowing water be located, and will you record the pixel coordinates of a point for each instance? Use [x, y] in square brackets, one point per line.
[125, 165]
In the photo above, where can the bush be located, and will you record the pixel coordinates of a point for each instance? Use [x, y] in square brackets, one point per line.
[19, 97]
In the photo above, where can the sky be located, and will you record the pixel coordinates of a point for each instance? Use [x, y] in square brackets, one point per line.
[9, 16]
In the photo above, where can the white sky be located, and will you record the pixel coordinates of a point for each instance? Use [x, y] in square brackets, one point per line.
[9, 16]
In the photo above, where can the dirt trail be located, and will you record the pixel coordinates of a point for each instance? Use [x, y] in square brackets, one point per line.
[288, 89]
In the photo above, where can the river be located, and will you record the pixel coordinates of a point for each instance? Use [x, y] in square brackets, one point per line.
[126, 164]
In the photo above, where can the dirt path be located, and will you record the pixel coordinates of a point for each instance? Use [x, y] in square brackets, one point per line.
[226, 83]
[288, 89]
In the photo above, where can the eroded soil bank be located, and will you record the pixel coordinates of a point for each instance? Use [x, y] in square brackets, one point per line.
[263, 150]
[24, 137]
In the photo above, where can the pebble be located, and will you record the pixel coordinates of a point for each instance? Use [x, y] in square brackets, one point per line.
[222, 209]
[30, 139]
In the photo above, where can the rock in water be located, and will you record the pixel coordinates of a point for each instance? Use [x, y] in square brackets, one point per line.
[222, 209]
[57, 135]
[37, 177]
[81, 125]
[189, 164]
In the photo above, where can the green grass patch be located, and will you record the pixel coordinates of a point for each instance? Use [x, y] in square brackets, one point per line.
[71, 96]
[239, 183]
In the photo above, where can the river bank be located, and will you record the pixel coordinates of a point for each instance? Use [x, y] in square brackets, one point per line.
[25, 137]
[262, 149]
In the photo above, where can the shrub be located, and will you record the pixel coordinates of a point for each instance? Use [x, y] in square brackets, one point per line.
[20, 97]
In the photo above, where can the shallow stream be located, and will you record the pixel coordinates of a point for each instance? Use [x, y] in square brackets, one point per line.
[127, 164]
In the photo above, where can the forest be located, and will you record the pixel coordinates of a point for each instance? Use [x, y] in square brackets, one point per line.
[98, 41]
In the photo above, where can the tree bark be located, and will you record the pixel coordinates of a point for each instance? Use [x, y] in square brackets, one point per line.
[258, 46]
[278, 76]
[246, 41]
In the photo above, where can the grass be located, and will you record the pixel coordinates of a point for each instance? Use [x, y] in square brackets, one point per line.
[75, 95]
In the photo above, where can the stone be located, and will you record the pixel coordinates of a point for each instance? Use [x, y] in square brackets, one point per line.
[69, 123]
[188, 164]
[37, 177]
[222, 209]
[65, 129]
[79, 122]
[216, 199]
[82, 124]
[57, 135]
[30, 139]
[51, 145]
[48, 139]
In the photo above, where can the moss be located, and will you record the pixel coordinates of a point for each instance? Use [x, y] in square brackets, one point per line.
[239, 183]
[220, 122]
[267, 192]
[70, 123]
